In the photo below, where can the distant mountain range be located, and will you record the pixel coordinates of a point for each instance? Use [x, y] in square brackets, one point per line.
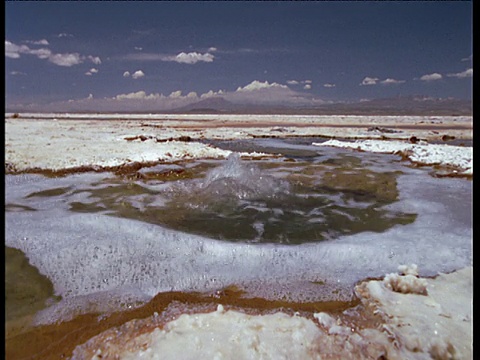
[401, 105]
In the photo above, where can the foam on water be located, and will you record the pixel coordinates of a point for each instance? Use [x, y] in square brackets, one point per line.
[88, 256]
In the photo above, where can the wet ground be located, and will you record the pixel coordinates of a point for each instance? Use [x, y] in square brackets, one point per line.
[305, 195]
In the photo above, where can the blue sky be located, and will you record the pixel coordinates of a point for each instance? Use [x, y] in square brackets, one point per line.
[160, 55]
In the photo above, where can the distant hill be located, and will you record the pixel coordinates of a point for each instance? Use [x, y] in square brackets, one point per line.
[401, 105]
[404, 105]
[218, 105]
[210, 105]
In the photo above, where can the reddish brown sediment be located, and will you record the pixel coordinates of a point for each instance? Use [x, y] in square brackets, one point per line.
[62, 338]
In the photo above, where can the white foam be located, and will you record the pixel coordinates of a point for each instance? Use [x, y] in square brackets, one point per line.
[89, 253]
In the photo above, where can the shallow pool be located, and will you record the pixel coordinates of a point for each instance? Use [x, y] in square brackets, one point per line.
[304, 225]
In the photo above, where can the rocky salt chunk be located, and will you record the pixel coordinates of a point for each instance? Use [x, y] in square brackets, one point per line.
[407, 282]
[433, 325]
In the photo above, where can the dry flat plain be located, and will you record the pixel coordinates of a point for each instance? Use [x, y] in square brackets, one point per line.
[400, 316]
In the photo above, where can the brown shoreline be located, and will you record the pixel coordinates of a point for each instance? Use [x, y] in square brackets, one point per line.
[62, 338]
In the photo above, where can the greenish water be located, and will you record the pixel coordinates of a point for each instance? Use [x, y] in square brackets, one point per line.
[285, 202]
[301, 197]
[26, 290]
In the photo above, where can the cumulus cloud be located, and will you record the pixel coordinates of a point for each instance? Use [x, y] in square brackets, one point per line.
[182, 58]
[38, 42]
[431, 77]
[139, 95]
[257, 92]
[138, 74]
[212, 93]
[258, 85]
[327, 85]
[212, 49]
[374, 81]
[297, 82]
[369, 81]
[463, 74]
[138, 48]
[42, 53]
[94, 59]
[126, 74]
[175, 94]
[13, 51]
[91, 72]
[68, 59]
[193, 57]
[389, 81]
[307, 87]
[65, 59]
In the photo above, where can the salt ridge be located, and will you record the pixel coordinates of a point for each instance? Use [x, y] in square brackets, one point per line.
[428, 154]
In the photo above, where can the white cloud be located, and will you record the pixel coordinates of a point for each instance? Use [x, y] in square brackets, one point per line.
[327, 85]
[17, 73]
[468, 58]
[13, 51]
[175, 94]
[258, 85]
[369, 81]
[138, 48]
[91, 72]
[463, 74]
[212, 49]
[42, 53]
[183, 58]
[192, 95]
[193, 57]
[211, 93]
[307, 87]
[126, 74]
[431, 77]
[296, 82]
[138, 74]
[66, 60]
[139, 95]
[64, 35]
[90, 96]
[38, 42]
[389, 81]
[94, 59]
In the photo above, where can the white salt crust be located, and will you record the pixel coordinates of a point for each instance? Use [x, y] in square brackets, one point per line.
[437, 325]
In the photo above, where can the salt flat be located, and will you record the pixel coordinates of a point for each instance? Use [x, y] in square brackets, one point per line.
[71, 141]
[441, 328]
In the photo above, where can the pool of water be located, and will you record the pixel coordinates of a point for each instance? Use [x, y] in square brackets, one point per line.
[304, 225]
